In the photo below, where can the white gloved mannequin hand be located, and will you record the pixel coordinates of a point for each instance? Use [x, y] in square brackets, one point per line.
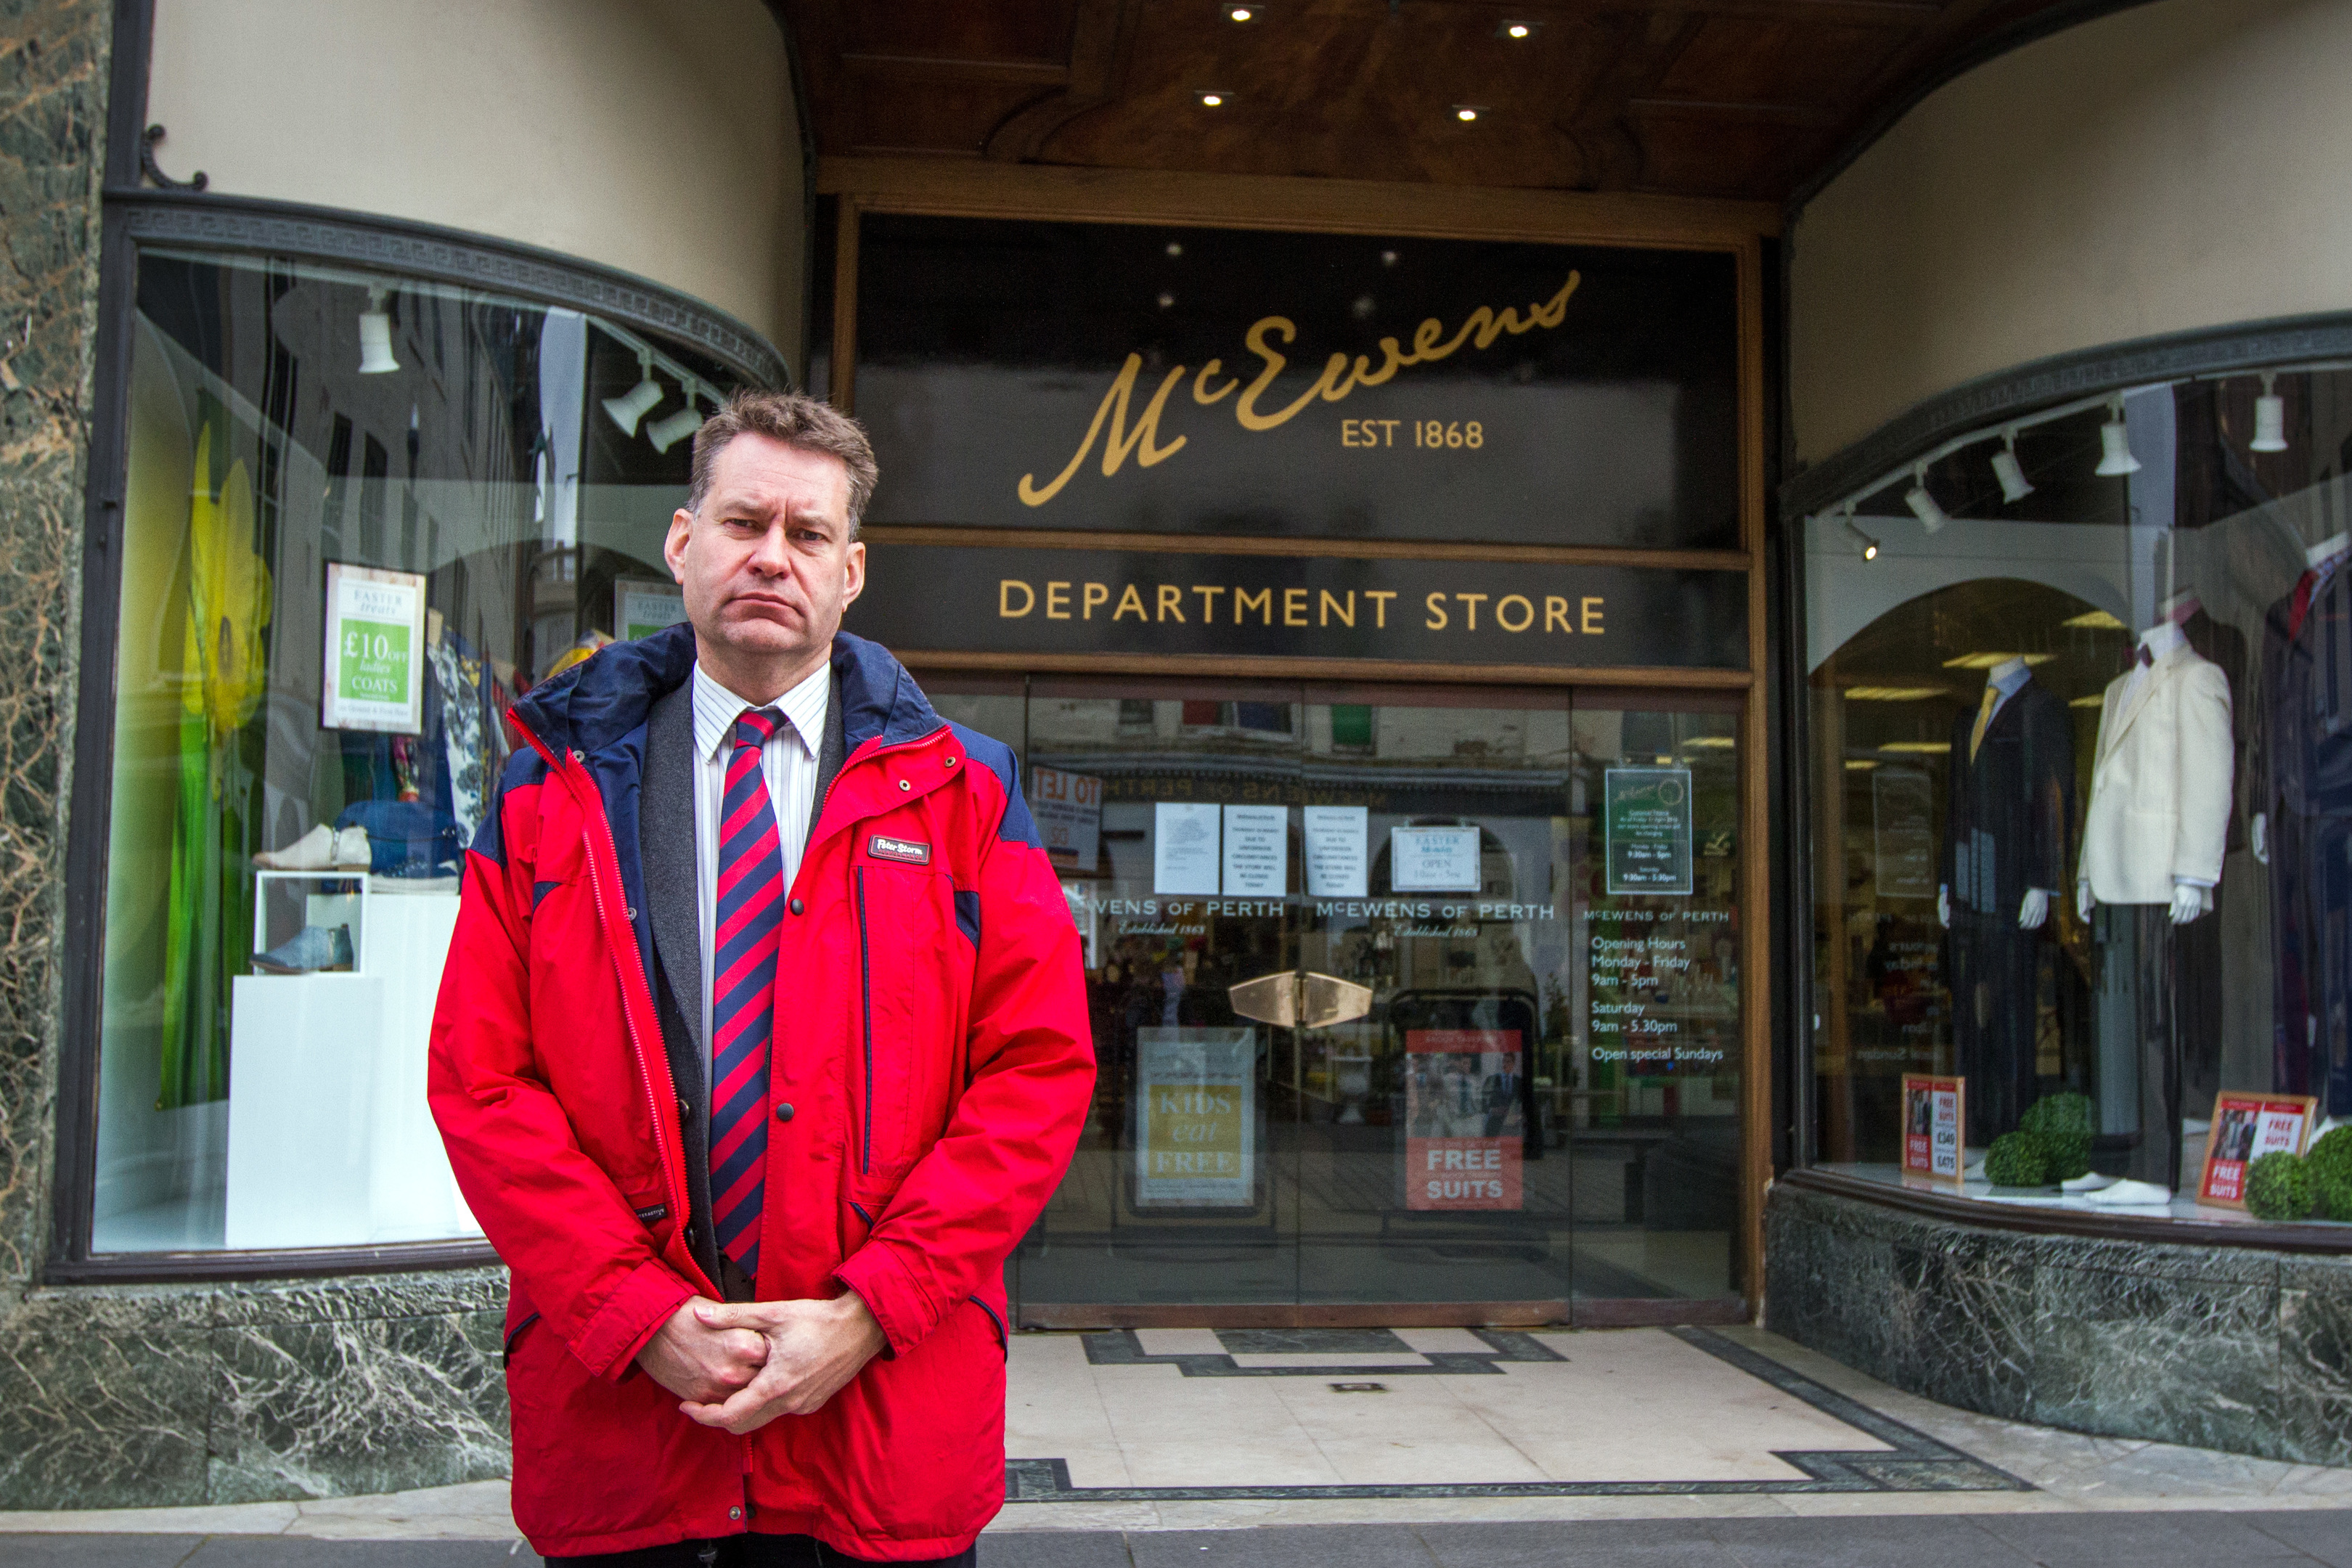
[2260, 831]
[2083, 902]
[1944, 907]
[2034, 910]
[2188, 903]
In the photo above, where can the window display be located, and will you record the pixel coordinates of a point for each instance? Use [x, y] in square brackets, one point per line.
[364, 513]
[2101, 656]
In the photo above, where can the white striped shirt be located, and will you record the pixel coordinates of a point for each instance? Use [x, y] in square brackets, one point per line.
[788, 763]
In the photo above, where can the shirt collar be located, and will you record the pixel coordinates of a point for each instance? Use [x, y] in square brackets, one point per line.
[716, 709]
[2008, 685]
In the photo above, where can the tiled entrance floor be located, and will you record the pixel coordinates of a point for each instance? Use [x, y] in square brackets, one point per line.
[1188, 1429]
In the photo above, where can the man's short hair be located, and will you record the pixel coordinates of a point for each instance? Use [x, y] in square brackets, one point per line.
[795, 419]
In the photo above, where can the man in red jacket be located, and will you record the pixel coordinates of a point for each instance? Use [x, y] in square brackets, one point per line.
[761, 1041]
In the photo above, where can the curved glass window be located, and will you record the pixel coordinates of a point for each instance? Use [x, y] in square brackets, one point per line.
[2082, 721]
[364, 513]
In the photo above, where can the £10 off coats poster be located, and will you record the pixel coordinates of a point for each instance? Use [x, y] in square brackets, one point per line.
[1465, 1129]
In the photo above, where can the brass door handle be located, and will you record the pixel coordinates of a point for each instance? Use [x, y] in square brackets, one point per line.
[1295, 998]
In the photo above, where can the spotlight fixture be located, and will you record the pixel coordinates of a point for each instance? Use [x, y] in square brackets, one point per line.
[1244, 13]
[668, 431]
[375, 336]
[632, 405]
[2115, 443]
[1517, 30]
[1868, 545]
[2270, 416]
[1466, 113]
[1211, 98]
[2014, 487]
[1922, 505]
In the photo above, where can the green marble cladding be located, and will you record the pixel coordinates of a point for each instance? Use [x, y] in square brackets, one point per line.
[137, 1396]
[2230, 1348]
[142, 1395]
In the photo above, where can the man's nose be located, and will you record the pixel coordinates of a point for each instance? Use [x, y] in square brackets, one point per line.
[770, 557]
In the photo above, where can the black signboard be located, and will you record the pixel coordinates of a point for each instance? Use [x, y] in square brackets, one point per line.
[987, 599]
[1132, 378]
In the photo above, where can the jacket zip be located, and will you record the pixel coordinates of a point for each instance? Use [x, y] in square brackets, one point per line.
[673, 1169]
[865, 1015]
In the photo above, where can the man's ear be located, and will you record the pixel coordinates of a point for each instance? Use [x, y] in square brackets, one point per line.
[681, 523]
[854, 573]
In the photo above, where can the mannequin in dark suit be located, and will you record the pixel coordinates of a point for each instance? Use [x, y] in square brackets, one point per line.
[665, 839]
[2010, 807]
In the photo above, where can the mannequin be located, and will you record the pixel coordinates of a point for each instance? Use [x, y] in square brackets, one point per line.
[2011, 801]
[2300, 768]
[2152, 842]
[2203, 1022]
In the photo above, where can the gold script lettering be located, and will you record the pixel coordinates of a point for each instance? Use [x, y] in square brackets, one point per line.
[1113, 406]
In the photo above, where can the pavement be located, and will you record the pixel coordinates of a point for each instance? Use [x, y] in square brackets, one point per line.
[1440, 1448]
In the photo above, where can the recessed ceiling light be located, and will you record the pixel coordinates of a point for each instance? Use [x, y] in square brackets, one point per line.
[1175, 248]
[1211, 98]
[1166, 299]
[1517, 29]
[1468, 111]
[1243, 13]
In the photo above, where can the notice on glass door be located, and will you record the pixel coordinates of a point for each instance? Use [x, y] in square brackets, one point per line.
[1184, 847]
[1067, 809]
[1433, 859]
[1196, 1118]
[1336, 854]
[1257, 851]
[1647, 819]
[1465, 1119]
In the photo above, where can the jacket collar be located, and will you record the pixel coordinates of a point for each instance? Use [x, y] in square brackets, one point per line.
[603, 700]
[2167, 664]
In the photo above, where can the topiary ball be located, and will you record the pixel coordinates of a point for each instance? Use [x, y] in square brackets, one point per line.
[2015, 1159]
[2331, 1154]
[2057, 1113]
[2065, 1152]
[2278, 1188]
[2334, 1191]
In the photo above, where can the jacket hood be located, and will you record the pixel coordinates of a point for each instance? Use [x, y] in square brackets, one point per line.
[605, 699]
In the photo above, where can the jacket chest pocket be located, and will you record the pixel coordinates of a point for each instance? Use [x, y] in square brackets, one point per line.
[899, 1064]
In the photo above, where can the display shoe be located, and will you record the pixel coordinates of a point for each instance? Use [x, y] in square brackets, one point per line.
[311, 950]
[351, 850]
[323, 848]
[314, 851]
[2130, 1195]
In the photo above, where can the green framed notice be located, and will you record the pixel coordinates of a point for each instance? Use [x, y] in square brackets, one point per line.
[1648, 826]
[375, 637]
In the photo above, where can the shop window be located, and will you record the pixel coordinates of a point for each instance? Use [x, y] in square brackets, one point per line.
[363, 514]
[2081, 717]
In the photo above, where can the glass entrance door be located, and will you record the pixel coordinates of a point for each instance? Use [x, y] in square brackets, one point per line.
[1420, 996]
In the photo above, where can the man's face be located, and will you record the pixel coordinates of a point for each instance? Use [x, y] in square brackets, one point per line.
[768, 564]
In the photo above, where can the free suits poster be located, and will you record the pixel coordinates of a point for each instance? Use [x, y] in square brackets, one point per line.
[1465, 1119]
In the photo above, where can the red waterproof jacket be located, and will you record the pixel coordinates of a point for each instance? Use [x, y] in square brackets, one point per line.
[934, 1047]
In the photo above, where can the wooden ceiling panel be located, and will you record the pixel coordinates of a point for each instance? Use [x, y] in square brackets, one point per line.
[1030, 30]
[1697, 98]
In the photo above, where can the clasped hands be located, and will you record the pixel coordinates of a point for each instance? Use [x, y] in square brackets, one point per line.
[738, 1366]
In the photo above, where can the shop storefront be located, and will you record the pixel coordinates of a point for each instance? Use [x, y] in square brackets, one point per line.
[1400, 769]
[2072, 1093]
[1596, 737]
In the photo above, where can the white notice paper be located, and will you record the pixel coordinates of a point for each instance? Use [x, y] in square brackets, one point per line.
[1257, 851]
[1336, 835]
[1433, 859]
[1184, 847]
[1067, 809]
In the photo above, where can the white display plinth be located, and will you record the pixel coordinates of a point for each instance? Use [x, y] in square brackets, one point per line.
[330, 1141]
[412, 1196]
[302, 1092]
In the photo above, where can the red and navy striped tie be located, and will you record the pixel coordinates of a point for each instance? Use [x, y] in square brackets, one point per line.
[743, 990]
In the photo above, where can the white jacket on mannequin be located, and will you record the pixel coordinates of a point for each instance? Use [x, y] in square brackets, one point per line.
[2159, 811]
